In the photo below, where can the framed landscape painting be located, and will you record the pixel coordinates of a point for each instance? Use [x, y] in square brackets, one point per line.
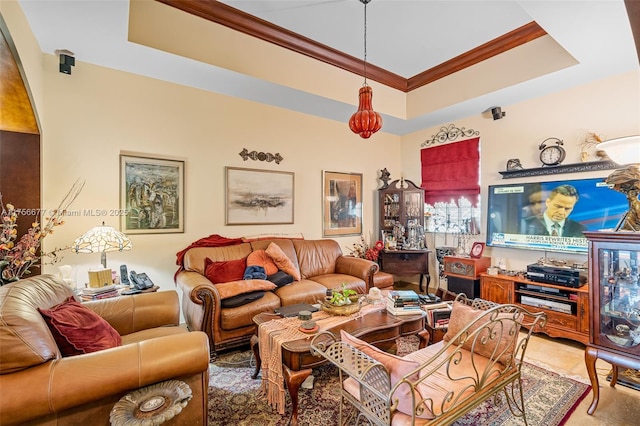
[258, 197]
[151, 195]
[341, 204]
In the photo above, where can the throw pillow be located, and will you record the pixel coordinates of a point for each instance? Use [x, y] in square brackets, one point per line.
[78, 330]
[261, 258]
[241, 299]
[254, 273]
[398, 367]
[280, 278]
[282, 261]
[222, 272]
[234, 288]
[505, 333]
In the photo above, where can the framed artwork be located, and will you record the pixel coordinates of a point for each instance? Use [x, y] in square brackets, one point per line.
[476, 250]
[258, 197]
[341, 204]
[151, 194]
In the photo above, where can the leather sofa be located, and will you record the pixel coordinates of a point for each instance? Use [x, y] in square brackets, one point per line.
[321, 264]
[40, 386]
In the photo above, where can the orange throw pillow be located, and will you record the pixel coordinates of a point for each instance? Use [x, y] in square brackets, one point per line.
[78, 330]
[234, 288]
[261, 258]
[282, 261]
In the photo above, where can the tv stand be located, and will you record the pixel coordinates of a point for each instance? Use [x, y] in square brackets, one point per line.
[567, 308]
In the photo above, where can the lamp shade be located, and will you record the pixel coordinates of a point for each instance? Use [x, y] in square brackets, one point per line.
[102, 239]
[365, 121]
[624, 150]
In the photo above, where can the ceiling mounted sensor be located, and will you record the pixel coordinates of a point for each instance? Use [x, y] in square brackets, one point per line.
[497, 113]
[67, 60]
[365, 121]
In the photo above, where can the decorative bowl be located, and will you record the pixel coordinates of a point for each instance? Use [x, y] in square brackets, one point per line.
[349, 309]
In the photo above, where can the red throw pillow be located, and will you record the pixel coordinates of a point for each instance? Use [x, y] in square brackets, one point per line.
[225, 271]
[78, 330]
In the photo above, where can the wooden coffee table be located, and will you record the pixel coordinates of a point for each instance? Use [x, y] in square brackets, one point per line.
[377, 328]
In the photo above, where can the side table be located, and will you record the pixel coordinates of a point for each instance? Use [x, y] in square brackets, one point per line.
[406, 262]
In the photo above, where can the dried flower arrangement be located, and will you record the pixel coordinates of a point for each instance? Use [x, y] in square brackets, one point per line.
[17, 257]
[363, 251]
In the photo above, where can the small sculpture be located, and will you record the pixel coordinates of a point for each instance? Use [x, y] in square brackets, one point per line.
[627, 181]
[385, 177]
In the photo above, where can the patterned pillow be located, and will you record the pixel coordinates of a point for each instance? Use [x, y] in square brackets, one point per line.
[78, 330]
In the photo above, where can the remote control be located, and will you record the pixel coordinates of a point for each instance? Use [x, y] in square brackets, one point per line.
[124, 275]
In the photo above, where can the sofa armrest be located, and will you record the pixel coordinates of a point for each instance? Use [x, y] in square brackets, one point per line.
[70, 382]
[357, 267]
[128, 314]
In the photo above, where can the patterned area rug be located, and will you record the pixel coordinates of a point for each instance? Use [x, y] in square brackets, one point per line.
[234, 397]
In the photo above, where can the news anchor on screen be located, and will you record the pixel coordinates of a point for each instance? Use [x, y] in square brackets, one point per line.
[554, 220]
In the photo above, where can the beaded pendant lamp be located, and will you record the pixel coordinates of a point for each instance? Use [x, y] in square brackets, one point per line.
[365, 121]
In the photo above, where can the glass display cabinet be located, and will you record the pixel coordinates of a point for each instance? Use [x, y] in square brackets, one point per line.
[614, 301]
[402, 215]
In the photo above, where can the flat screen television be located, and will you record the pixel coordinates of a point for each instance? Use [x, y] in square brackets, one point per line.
[515, 216]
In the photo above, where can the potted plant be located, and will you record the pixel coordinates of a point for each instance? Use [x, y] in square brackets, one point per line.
[342, 302]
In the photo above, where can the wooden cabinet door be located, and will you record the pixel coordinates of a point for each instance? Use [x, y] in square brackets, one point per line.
[496, 289]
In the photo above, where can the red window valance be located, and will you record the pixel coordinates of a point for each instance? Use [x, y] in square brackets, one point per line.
[451, 171]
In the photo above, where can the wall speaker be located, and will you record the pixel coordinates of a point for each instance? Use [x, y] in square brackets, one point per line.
[496, 113]
[66, 62]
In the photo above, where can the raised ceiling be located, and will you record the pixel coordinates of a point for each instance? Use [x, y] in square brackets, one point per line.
[431, 61]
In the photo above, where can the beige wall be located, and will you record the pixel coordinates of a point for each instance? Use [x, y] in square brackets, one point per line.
[609, 107]
[89, 117]
[95, 113]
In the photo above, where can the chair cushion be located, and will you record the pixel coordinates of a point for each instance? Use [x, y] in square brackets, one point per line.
[261, 258]
[282, 261]
[500, 339]
[228, 270]
[78, 330]
[234, 288]
[398, 367]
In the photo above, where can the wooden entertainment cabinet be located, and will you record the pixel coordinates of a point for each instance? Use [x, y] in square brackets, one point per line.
[510, 289]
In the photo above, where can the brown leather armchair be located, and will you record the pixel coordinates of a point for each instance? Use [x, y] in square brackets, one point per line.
[40, 386]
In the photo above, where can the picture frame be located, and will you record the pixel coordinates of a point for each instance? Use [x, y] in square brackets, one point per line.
[259, 197]
[341, 203]
[151, 194]
[476, 250]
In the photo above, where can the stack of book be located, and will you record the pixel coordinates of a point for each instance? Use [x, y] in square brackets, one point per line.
[95, 293]
[438, 314]
[403, 302]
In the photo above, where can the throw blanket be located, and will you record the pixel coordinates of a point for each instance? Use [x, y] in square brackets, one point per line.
[213, 240]
[272, 334]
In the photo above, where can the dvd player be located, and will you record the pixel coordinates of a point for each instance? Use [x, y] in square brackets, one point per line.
[558, 275]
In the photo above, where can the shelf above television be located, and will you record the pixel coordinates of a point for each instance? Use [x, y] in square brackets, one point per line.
[563, 168]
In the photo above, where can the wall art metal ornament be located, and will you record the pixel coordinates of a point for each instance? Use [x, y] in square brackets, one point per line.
[341, 204]
[449, 133]
[260, 156]
[258, 197]
[151, 194]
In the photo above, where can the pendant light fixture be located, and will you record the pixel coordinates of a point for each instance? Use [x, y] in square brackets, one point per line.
[365, 121]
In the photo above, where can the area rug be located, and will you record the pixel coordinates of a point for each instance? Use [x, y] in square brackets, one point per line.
[234, 397]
